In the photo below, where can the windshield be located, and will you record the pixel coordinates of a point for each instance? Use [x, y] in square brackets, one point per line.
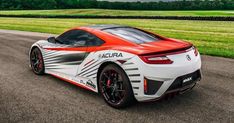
[133, 34]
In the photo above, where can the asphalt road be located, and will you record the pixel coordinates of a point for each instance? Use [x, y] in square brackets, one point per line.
[26, 97]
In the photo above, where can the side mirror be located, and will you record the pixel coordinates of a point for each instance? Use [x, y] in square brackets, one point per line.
[51, 40]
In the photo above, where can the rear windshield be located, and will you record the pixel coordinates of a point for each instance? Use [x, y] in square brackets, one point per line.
[133, 34]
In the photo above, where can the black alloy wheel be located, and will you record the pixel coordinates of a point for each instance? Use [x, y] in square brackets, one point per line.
[36, 61]
[115, 87]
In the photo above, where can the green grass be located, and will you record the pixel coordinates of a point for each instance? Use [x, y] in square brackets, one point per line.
[94, 12]
[211, 37]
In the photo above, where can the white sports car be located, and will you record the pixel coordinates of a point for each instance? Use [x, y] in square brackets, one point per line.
[122, 63]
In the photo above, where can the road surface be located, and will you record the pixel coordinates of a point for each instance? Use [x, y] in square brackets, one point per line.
[26, 97]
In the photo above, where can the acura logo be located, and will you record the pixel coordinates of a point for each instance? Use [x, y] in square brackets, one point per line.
[188, 57]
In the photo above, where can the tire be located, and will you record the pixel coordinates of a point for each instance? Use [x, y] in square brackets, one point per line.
[37, 62]
[115, 87]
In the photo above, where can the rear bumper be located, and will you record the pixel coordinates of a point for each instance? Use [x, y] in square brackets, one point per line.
[174, 92]
[153, 86]
[178, 87]
[179, 84]
[167, 78]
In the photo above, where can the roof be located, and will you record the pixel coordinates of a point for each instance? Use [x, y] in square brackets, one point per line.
[103, 27]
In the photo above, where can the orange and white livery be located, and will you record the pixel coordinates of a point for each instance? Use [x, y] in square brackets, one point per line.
[122, 63]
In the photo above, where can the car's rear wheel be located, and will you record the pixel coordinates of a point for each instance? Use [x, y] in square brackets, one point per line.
[115, 87]
[36, 61]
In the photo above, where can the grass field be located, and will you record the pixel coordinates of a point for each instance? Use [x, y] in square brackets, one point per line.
[94, 12]
[211, 37]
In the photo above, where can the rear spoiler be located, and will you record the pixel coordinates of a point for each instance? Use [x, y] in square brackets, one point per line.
[171, 52]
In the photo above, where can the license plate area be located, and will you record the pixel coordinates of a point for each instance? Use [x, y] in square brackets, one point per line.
[190, 78]
[185, 80]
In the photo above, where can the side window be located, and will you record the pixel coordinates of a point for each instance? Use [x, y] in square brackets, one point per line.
[79, 38]
[94, 41]
[74, 37]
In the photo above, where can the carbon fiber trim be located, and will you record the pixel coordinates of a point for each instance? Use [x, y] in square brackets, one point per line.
[153, 86]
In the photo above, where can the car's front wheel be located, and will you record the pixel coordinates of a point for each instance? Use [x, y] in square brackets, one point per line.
[36, 61]
[115, 87]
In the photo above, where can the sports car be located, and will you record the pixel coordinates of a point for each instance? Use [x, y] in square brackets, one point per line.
[122, 63]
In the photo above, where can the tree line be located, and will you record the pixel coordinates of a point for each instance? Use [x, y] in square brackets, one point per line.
[84, 4]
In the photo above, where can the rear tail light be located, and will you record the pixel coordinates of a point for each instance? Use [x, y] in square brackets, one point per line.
[155, 59]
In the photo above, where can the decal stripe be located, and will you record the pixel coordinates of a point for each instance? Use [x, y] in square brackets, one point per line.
[88, 71]
[89, 65]
[136, 81]
[63, 58]
[72, 63]
[49, 52]
[51, 59]
[91, 68]
[93, 65]
[94, 48]
[50, 55]
[128, 63]
[64, 54]
[131, 69]
[72, 82]
[89, 62]
[53, 68]
[135, 87]
[91, 74]
[64, 63]
[51, 65]
[134, 75]
[60, 61]
[71, 57]
[68, 49]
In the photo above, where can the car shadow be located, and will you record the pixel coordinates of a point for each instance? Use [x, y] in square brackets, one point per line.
[173, 101]
[177, 101]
